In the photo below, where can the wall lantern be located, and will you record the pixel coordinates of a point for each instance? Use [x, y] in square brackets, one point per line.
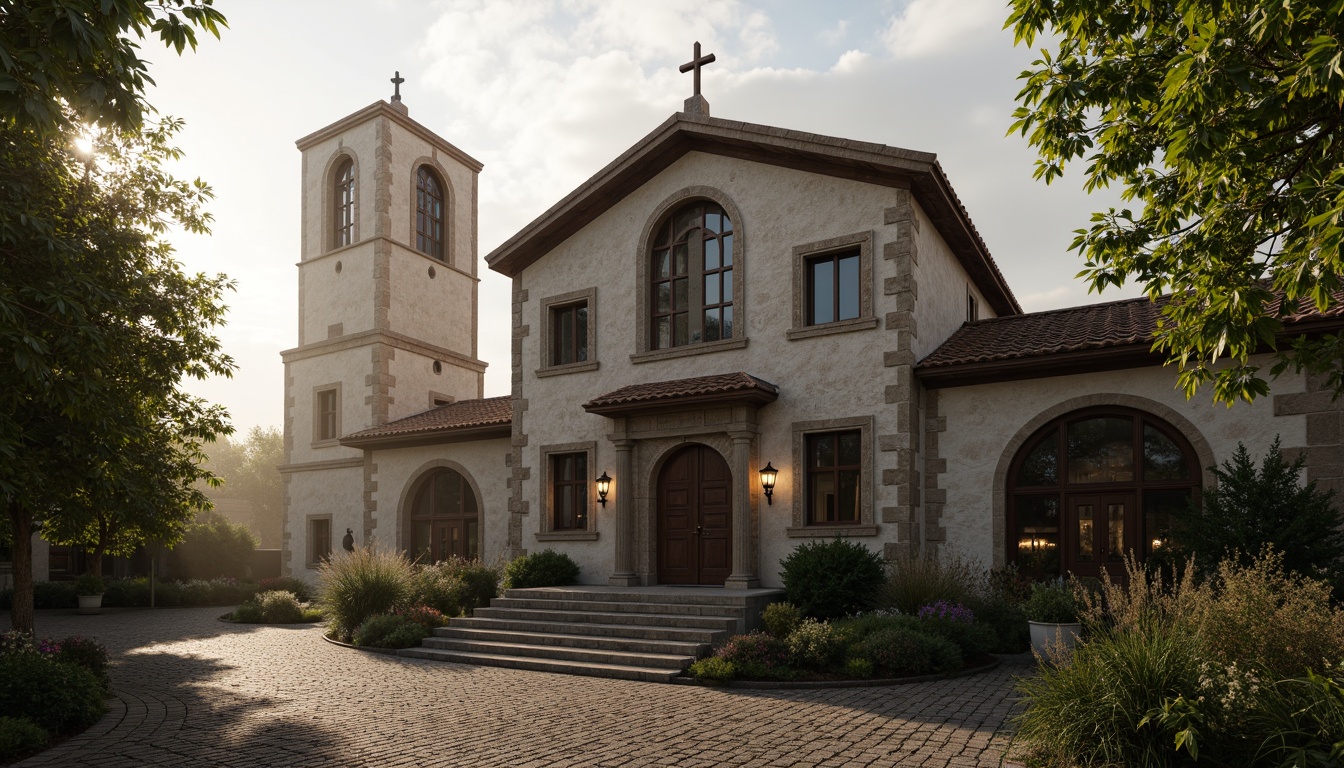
[603, 485]
[768, 482]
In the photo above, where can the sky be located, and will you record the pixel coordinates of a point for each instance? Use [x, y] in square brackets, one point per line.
[547, 92]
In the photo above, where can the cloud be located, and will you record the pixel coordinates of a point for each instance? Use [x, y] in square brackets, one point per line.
[929, 28]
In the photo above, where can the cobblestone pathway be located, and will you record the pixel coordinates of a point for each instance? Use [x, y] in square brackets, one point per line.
[193, 691]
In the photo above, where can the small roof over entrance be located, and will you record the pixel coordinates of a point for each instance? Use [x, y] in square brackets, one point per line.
[721, 389]
[455, 422]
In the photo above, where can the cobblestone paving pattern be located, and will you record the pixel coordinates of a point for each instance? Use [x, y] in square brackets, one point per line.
[191, 690]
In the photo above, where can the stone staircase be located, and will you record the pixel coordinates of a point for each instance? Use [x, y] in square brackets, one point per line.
[635, 633]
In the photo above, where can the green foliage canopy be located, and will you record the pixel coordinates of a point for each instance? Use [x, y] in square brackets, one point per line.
[1221, 120]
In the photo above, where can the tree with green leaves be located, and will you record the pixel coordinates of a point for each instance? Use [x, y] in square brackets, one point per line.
[98, 322]
[1251, 508]
[249, 469]
[1223, 123]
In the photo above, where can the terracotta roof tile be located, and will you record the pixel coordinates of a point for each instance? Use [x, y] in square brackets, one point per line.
[463, 414]
[677, 389]
[1073, 329]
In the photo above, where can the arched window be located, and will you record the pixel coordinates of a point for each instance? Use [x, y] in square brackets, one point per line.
[691, 277]
[1092, 485]
[428, 213]
[444, 520]
[344, 199]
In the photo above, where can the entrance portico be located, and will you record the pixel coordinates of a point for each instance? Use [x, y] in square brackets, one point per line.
[653, 424]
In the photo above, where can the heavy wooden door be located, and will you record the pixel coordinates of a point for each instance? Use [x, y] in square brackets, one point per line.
[1100, 529]
[695, 517]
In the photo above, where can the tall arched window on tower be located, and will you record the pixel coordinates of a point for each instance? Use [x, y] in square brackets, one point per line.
[1093, 485]
[691, 277]
[428, 213]
[344, 199]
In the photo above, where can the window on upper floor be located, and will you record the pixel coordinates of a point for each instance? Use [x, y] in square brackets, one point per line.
[327, 414]
[344, 199]
[429, 231]
[569, 334]
[833, 287]
[691, 277]
[972, 307]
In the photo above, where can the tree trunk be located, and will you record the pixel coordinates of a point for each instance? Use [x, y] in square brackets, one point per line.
[21, 531]
[93, 557]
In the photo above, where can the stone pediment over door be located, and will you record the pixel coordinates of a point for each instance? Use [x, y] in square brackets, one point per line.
[651, 423]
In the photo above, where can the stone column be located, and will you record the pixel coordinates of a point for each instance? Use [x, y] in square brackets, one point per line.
[624, 575]
[744, 542]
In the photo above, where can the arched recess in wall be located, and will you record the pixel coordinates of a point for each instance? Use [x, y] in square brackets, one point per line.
[417, 198]
[440, 513]
[333, 204]
[1092, 478]
[713, 309]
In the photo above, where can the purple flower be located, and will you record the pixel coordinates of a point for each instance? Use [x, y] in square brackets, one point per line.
[942, 610]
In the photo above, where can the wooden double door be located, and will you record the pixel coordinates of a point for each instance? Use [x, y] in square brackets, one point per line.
[1099, 529]
[695, 518]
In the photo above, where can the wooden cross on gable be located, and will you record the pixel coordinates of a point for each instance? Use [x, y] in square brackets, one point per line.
[696, 62]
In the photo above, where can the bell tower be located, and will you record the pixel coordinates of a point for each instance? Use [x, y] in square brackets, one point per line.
[387, 307]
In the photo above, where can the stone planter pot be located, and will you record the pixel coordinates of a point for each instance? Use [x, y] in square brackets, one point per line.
[90, 604]
[1053, 636]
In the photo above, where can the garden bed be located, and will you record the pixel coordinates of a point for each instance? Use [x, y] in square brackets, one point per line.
[989, 665]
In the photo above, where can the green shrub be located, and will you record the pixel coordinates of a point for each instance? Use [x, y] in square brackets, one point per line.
[455, 586]
[780, 619]
[904, 652]
[20, 737]
[856, 628]
[389, 631]
[1007, 621]
[546, 568]
[827, 580]
[248, 613]
[126, 593]
[86, 653]
[213, 547]
[914, 580]
[757, 656]
[279, 607]
[714, 669]
[1092, 710]
[815, 646]
[858, 667]
[54, 594]
[425, 616]
[56, 696]
[1052, 602]
[957, 623]
[357, 585]
[89, 584]
[301, 589]
[167, 594]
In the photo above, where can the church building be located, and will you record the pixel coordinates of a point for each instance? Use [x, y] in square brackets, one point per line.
[731, 340]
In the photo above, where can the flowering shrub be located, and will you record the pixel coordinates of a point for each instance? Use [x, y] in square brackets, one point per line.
[299, 587]
[942, 610]
[780, 619]
[815, 645]
[424, 616]
[15, 641]
[757, 656]
[714, 669]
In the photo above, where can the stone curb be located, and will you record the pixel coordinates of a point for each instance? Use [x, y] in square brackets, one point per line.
[384, 651]
[783, 685]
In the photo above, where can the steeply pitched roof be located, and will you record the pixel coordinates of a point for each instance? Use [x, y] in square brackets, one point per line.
[1093, 337]
[464, 419]
[683, 133]
[726, 387]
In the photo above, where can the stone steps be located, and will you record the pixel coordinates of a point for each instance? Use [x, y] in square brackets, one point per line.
[640, 633]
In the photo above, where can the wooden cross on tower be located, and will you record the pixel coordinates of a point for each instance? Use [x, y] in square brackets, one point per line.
[696, 63]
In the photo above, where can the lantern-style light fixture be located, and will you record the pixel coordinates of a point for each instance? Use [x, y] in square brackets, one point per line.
[768, 476]
[603, 486]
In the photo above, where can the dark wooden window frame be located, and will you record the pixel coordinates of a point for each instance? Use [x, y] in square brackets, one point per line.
[834, 258]
[550, 306]
[430, 231]
[834, 471]
[550, 485]
[319, 546]
[804, 256]
[326, 414]
[665, 239]
[344, 198]
[566, 317]
[426, 484]
[575, 489]
[1139, 486]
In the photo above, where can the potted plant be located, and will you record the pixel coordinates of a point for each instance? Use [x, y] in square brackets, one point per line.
[89, 589]
[1052, 615]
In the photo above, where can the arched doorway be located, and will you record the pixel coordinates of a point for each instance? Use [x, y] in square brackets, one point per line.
[1092, 485]
[443, 519]
[695, 518]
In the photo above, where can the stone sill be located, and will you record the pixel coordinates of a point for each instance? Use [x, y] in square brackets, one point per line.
[840, 326]
[831, 531]
[560, 370]
[702, 348]
[567, 536]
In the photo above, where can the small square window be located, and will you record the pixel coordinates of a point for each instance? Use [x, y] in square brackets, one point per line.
[319, 540]
[569, 491]
[569, 334]
[833, 287]
[834, 468]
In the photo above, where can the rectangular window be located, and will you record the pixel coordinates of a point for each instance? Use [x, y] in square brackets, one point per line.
[327, 415]
[569, 491]
[319, 540]
[569, 334]
[833, 287]
[972, 307]
[834, 466]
